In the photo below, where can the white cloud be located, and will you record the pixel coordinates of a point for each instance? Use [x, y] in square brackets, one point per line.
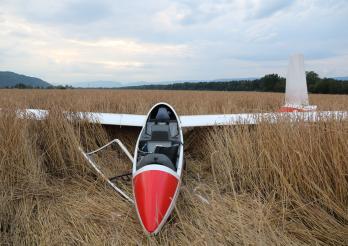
[74, 40]
[54, 53]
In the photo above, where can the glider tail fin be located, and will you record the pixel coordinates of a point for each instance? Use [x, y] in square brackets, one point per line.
[296, 94]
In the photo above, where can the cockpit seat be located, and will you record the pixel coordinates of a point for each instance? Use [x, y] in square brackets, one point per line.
[162, 115]
[160, 132]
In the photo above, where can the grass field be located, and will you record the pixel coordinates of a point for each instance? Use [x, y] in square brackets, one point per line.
[267, 184]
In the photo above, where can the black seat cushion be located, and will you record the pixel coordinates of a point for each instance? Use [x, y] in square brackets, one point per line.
[160, 132]
[171, 152]
[155, 158]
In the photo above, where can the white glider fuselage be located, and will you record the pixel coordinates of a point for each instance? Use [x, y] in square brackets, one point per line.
[157, 167]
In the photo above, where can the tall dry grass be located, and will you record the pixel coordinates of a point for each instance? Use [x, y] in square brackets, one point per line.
[268, 184]
[140, 101]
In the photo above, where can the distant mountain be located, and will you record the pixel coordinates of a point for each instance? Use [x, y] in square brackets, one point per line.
[341, 78]
[10, 79]
[97, 84]
[234, 79]
[193, 81]
[113, 84]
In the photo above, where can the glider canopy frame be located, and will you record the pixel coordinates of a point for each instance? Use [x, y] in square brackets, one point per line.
[87, 155]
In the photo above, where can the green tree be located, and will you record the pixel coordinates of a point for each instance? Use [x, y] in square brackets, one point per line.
[272, 82]
[312, 81]
[22, 86]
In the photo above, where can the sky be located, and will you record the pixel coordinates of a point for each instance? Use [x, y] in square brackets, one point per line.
[71, 41]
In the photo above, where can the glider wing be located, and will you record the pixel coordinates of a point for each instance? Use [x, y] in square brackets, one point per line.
[194, 120]
[256, 118]
[92, 117]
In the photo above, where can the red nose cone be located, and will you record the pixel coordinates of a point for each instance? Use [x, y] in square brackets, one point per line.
[154, 191]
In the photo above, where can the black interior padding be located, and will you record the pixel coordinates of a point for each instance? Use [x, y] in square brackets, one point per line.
[160, 133]
[171, 152]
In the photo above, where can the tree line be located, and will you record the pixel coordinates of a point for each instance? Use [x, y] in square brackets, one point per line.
[24, 86]
[268, 83]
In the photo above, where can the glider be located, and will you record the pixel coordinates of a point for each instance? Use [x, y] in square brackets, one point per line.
[159, 152]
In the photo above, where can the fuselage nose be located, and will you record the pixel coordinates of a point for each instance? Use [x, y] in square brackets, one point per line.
[154, 192]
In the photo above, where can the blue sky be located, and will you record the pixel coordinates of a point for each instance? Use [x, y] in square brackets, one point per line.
[120, 40]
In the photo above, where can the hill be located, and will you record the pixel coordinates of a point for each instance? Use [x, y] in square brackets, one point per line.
[11, 79]
[341, 78]
[117, 84]
[97, 84]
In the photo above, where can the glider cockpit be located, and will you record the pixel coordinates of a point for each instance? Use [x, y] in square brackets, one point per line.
[160, 140]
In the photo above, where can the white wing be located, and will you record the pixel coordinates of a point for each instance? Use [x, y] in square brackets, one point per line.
[217, 119]
[255, 118]
[38, 114]
[193, 120]
[93, 117]
[114, 119]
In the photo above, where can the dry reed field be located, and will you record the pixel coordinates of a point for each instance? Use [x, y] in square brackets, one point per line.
[284, 184]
